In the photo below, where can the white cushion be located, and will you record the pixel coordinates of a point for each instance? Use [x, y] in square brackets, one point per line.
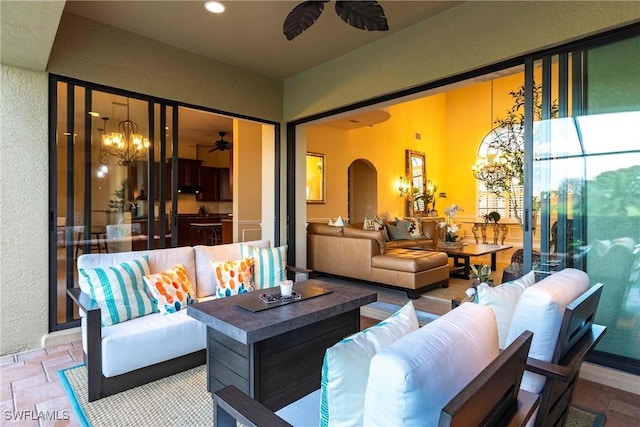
[156, 337]
[411, 380]
[345, 369]
[159, 260]
[206, 284]
[527, 280]
[540, 310]
[502, 300]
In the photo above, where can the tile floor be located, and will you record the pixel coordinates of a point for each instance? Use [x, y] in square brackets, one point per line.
[31, 389]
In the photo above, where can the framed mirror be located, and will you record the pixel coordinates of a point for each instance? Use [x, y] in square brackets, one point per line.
[417, 176]
[316, 180]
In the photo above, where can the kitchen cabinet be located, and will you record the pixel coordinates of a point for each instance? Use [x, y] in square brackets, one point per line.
[209, 183]
[216, 185]
[188, 176]
[224, 184]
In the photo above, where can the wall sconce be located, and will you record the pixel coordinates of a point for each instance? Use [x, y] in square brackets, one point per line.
[403, 187]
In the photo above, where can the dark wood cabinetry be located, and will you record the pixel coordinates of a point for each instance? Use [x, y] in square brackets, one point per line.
[224, 184]
[216, 184]
[210, 184]
[188, 176]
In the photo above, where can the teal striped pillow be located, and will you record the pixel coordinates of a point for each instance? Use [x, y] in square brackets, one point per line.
[120, 290]
[269, 264]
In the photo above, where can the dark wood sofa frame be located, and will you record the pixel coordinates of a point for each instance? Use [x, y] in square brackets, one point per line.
[577, 337]
[100, 386]
[493, 398]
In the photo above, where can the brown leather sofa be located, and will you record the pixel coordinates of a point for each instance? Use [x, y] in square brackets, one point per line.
[363, 255]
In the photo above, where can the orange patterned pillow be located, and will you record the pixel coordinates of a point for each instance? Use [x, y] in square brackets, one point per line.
[171, 289]
[233, 277]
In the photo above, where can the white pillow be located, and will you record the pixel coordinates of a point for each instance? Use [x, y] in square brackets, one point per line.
[540, 310]
[527, 280]
[411, 380]
[502, 300]
[345, 370]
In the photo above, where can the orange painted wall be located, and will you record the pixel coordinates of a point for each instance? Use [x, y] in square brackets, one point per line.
[451, 126]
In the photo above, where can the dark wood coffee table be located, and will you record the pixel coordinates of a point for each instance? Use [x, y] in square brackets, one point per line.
[462, 256]
[276, 355]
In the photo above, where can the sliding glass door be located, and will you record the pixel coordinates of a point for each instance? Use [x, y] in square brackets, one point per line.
[585, 173]
[130, 172]
[105, 195]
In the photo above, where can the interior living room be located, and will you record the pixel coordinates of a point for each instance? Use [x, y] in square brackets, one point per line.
[344, 137]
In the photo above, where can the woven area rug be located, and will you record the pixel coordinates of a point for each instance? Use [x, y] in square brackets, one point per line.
[183, 400]
[583, 417]
[454, 291]
[179, 400]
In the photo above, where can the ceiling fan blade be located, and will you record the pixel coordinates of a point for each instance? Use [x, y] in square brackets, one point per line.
[214, 149]
[302, 17]
[365, 15]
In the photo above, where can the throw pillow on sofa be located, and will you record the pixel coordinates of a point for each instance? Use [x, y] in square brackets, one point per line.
[171, 289]
[270, 264]
[233, 277]
[376, 224]
[345, 369]
[415, 227]
[120, 290]
[398, 231]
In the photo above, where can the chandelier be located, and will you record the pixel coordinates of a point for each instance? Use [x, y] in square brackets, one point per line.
[126, 144]
[494, 170]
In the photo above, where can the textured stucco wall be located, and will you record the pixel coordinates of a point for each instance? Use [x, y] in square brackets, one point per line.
[24, 169]
[99, 53]
[464, 38]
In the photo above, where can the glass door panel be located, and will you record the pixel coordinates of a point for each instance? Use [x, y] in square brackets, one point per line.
[586, 171]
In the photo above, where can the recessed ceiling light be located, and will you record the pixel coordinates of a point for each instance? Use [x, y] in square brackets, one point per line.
[94, 114]
[214, 6]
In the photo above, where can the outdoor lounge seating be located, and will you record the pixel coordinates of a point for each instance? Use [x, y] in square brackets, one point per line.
[560, 311]
[397, 390]
[164, 344]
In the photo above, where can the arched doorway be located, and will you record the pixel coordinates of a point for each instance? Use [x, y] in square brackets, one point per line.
[363, 190]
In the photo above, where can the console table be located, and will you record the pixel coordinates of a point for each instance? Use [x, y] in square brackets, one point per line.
[275, 355]
[499, 232]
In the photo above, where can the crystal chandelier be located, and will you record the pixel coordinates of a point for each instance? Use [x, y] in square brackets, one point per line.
[493, 170]
[126, 144]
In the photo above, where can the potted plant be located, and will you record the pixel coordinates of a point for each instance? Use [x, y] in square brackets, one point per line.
[480, 274]
[492, 216]
[432, 196]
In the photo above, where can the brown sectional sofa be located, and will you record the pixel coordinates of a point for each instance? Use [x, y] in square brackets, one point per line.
[364, 255]
[428, 241]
